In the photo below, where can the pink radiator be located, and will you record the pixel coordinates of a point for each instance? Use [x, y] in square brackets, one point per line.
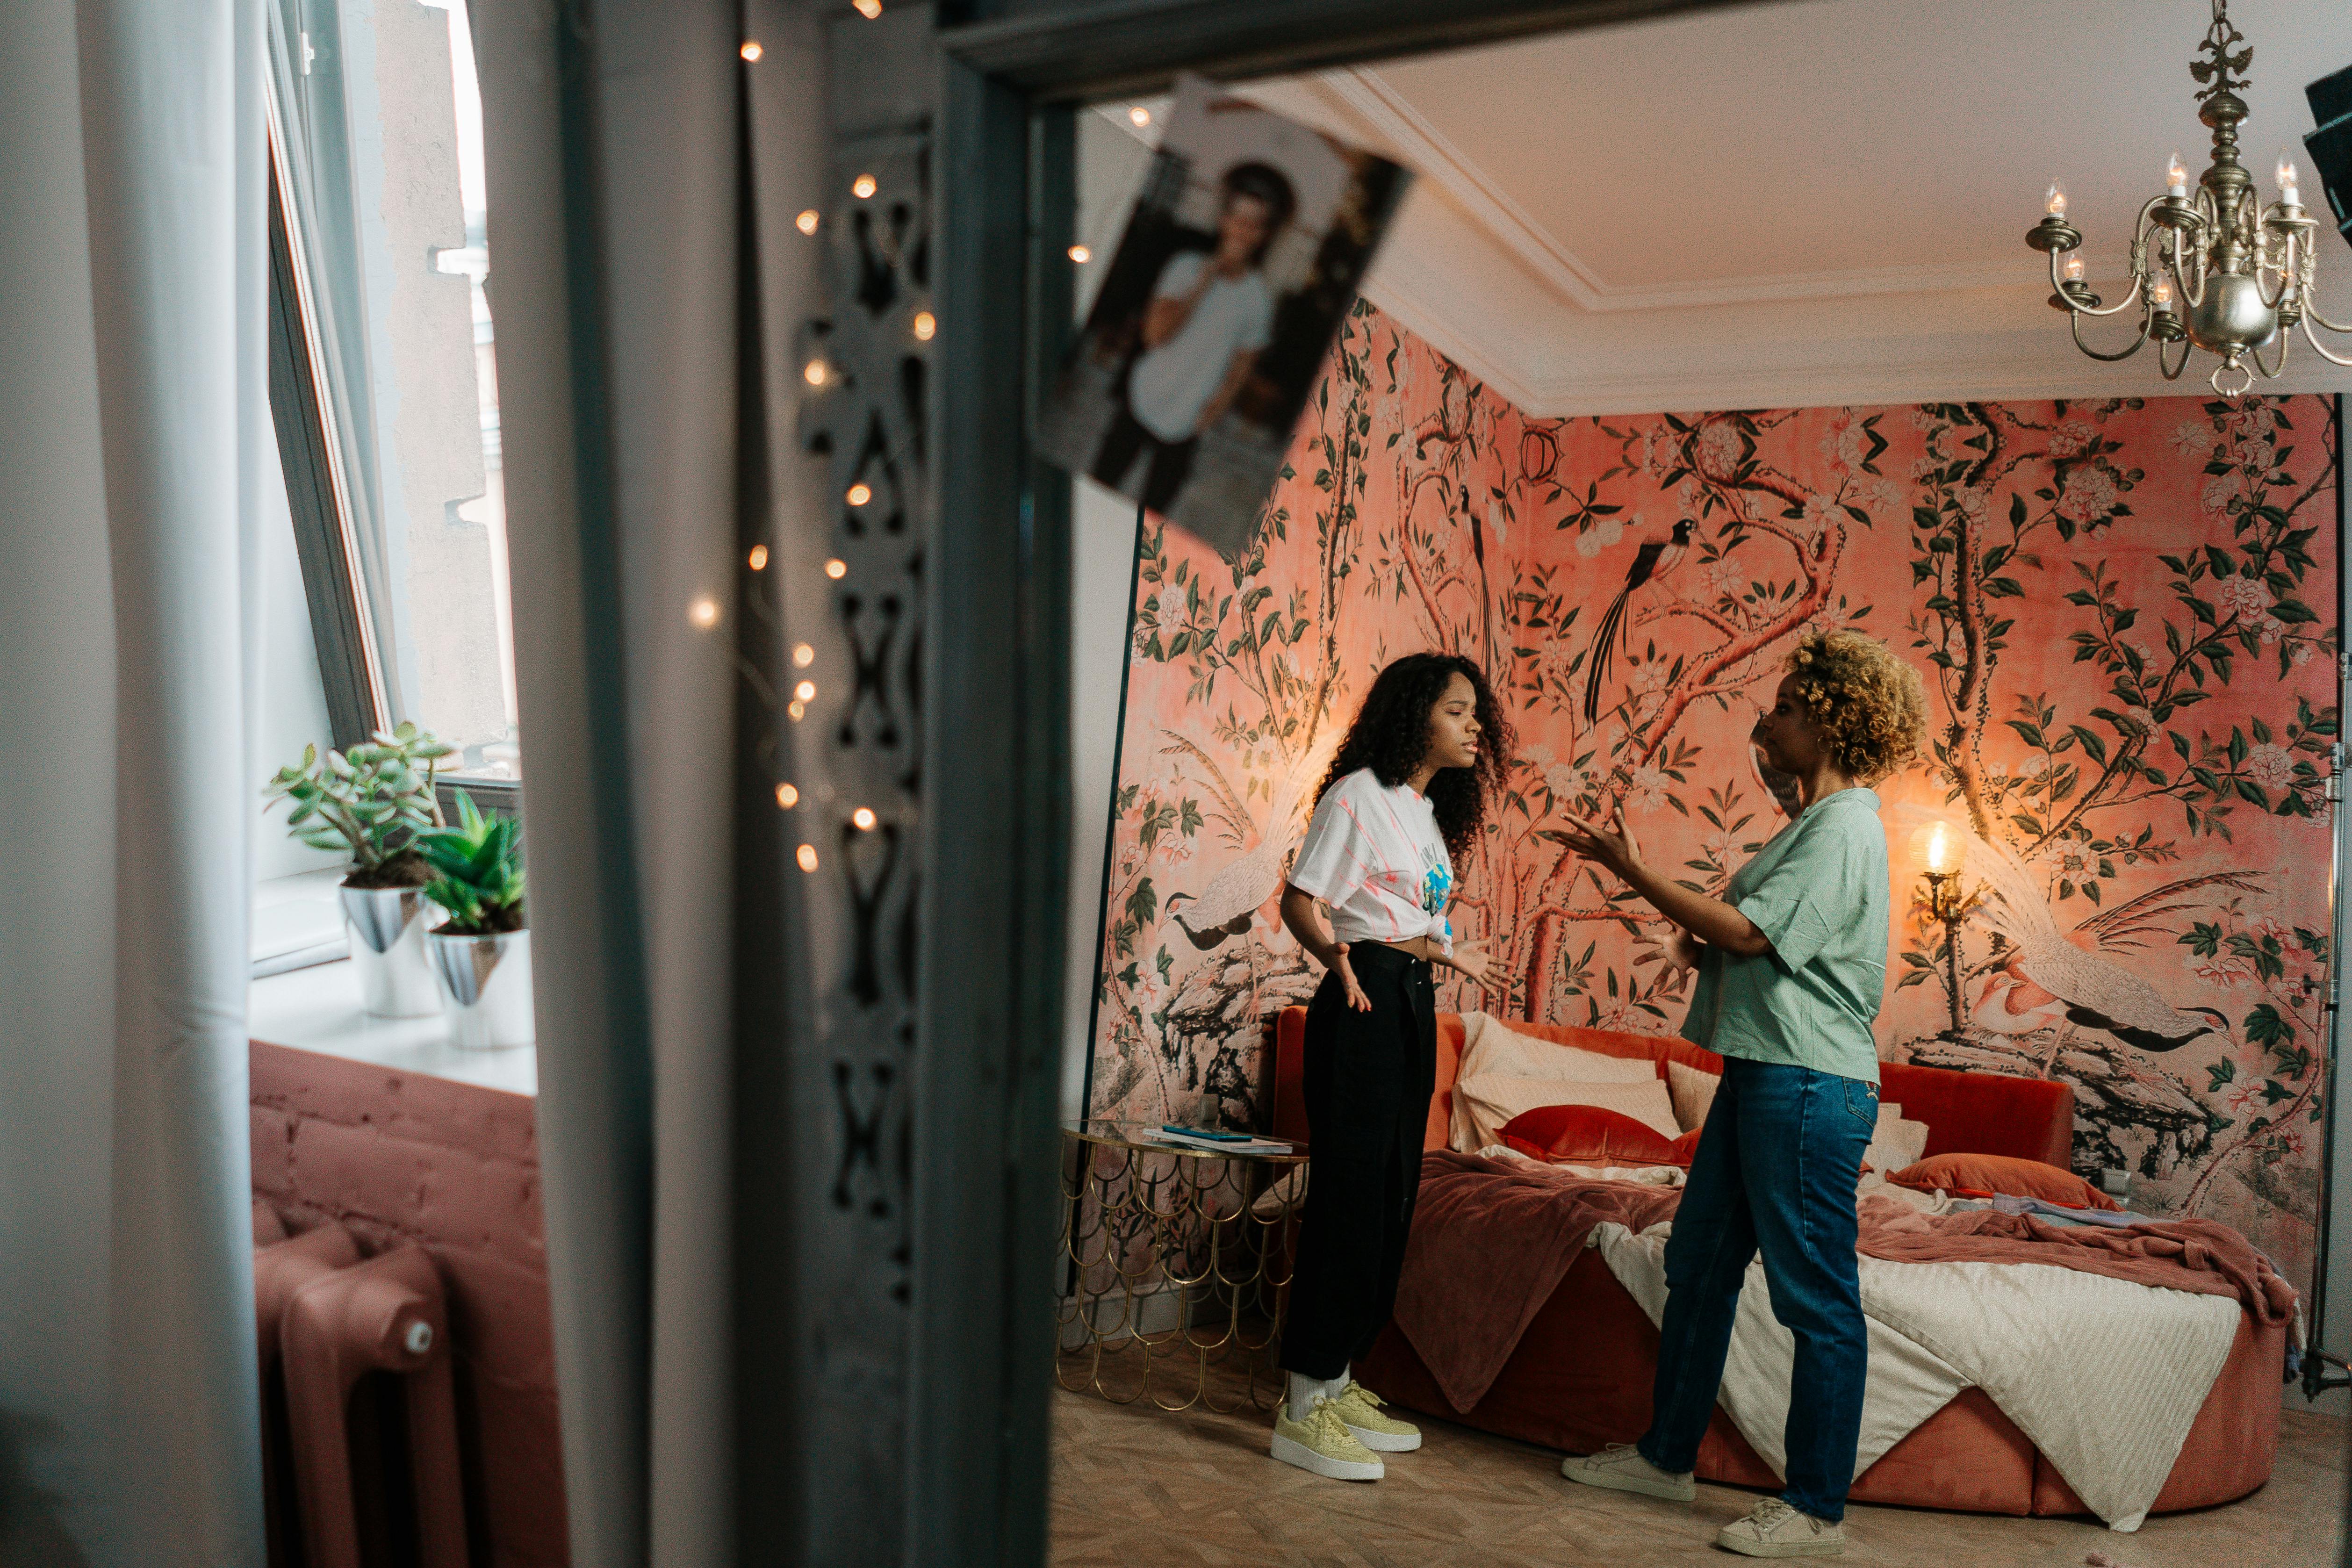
[325, 1319]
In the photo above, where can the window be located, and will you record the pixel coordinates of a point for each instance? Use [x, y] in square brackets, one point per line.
[384, 384]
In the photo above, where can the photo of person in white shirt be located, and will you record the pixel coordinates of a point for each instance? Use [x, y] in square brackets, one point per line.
[1210, 315]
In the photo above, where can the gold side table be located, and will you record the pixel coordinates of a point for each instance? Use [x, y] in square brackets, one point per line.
[1144, 1222]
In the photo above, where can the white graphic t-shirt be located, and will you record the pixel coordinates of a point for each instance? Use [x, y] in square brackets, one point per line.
[1171, 383]
[1375, 855]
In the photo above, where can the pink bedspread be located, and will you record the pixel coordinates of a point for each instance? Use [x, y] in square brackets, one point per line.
[2200, 1255]
[1491, 1240]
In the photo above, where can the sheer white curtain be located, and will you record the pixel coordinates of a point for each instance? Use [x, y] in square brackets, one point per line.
[611, 137]
[132, 410]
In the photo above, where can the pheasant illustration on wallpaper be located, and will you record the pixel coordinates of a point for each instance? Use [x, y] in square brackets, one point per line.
[2124, 609]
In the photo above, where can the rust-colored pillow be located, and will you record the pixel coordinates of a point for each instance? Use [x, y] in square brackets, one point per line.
[2002, 1174]
[1589, 1135]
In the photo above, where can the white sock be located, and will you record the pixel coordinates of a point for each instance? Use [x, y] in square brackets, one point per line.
[1304, 1391]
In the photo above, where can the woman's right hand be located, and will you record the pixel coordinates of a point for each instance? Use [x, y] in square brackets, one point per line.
[1339, 966]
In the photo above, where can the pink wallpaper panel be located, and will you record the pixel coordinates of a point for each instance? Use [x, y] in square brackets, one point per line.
[2125, 611]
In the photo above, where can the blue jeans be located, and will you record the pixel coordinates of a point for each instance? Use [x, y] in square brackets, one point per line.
[1775, 1170]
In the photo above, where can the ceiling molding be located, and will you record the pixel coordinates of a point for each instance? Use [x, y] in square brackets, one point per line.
[1710, 387]
[1426, 150]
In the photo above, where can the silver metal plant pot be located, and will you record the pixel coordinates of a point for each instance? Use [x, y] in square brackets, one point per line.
[485, 989]
[388, 926]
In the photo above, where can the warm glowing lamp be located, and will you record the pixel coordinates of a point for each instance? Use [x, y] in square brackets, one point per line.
[1940, 849]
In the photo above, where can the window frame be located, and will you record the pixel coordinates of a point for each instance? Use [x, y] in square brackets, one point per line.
[311, 452]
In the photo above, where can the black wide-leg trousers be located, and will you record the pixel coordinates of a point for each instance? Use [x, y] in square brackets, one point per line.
[1369, 1076]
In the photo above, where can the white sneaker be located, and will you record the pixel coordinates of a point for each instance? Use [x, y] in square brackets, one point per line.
[1323, 1443]
[1776, 1529]
[1621, 1468]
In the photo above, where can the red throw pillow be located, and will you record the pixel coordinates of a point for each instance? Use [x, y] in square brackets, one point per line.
[2005, 1175]
[1686, 1149]
[1589, 1135]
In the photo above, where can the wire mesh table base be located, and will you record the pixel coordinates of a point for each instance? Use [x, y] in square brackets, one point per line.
[1176, 1261]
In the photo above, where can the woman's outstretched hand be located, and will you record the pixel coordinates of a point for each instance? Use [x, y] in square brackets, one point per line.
[1617, 850]
[1471, 960]
[1341, 967]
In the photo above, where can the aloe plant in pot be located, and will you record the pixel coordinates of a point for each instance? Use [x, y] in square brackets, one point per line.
[370, 803]
[481, 952]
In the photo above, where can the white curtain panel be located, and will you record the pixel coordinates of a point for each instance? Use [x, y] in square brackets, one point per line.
[132, 409]
[613, 144]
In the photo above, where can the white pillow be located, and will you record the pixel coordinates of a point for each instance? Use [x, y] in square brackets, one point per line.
[1482, 1105]
[1489, 1049]
[1692, 1092]
[1896, 1143]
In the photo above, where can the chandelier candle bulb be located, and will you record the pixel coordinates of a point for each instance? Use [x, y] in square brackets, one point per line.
[2054, 202]
[2176, 177]
[2073, 269]
[2289, 177]
[2159, 293]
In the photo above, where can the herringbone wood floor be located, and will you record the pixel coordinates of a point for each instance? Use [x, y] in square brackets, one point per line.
[1139, 1486]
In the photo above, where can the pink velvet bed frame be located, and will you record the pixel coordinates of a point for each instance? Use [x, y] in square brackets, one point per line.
[1580, 1376]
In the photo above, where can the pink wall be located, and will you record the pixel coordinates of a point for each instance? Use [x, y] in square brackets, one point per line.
[399, 1157]
[2124, 611]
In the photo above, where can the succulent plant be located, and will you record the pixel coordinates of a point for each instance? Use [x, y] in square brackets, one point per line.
[478, 872]
[370, 802]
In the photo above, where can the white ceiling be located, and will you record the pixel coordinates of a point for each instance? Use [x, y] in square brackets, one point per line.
[1808, 202]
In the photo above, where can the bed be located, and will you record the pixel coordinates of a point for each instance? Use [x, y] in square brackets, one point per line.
[1579, 1375]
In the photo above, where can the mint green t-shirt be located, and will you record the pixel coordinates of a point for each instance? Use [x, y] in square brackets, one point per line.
[1818, 891]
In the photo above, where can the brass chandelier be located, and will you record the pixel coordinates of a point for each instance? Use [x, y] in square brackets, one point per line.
[2214, 269]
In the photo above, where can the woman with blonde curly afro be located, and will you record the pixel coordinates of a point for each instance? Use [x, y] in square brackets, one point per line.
[1792, 969]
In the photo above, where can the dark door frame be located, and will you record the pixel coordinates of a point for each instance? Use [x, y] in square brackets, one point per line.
[984, 1171]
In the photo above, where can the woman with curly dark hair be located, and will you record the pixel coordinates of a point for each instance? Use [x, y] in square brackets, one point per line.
[1791, 969]
[1406, 795]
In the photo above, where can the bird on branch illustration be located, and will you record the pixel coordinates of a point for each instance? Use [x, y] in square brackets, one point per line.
[1652, 561]
[2090, 989]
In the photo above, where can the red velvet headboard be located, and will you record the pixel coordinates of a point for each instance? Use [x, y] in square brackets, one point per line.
[1973, 1113]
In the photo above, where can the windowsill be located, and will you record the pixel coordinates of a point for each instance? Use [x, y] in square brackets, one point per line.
[317, 1009]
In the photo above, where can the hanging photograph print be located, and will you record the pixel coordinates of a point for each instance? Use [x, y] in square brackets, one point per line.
[1244, 251]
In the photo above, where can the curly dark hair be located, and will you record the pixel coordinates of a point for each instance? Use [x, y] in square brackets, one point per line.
[1391, 736]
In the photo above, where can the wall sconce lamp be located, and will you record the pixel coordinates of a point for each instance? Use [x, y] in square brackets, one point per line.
[1936, 848]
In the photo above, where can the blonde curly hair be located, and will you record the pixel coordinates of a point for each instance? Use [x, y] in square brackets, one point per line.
[1867, 704]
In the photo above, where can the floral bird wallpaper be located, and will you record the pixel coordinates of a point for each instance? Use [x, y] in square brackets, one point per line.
[2125, 610]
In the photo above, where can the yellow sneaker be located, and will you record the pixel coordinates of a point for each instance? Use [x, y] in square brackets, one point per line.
[1359, 1407]
[1323, 1443]
[1776, 1529]
[1621, 1468]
